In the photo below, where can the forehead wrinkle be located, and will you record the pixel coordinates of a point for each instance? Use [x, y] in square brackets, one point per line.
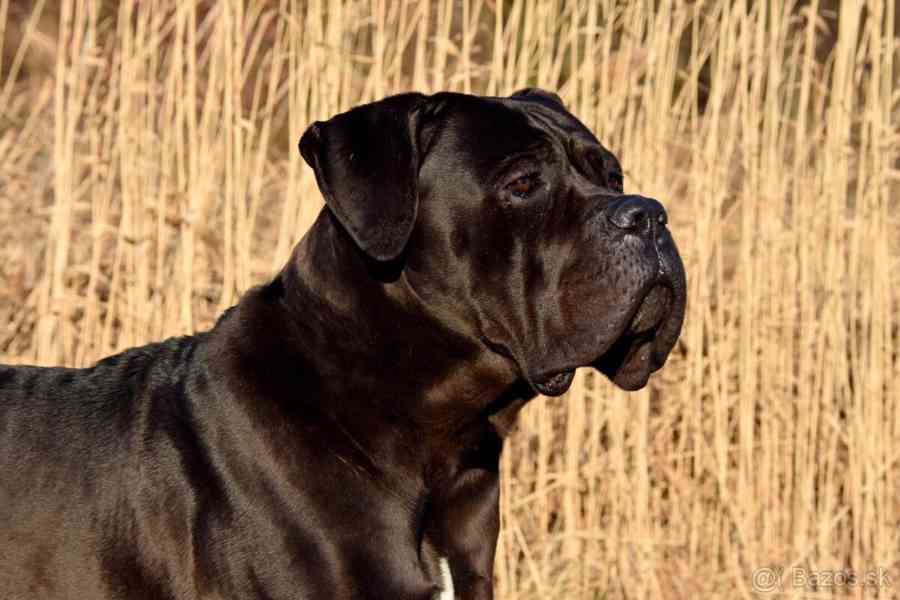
[559, 120]
[568, 129]
[506, 136]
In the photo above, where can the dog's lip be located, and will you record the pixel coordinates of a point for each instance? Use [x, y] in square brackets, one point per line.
[633, 345]
[554, 384]
[630, 361]
[652, 310]
[627, 358]
[635, 355]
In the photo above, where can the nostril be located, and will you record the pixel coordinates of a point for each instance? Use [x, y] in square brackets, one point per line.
[635, 212]
[636, 217]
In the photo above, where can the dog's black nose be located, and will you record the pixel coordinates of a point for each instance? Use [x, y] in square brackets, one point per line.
[636, 213]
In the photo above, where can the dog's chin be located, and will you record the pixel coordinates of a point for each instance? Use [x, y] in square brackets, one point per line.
[643, 346]
[556, 384]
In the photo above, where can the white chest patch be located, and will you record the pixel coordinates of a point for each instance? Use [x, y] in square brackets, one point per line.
[446, 592]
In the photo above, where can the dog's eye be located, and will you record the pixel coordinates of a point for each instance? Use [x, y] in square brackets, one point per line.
[523, 186]
[615, 182]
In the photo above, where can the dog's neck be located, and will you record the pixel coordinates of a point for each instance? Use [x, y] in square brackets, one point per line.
[445, 377]
[327, 347]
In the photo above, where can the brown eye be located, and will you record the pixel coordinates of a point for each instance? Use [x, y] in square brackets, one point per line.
[615, 182]
[523, 186]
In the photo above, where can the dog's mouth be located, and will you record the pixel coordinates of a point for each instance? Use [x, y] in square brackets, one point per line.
[641, 348]
[644, 345]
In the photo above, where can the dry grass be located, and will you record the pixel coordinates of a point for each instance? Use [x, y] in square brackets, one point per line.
[149, 174]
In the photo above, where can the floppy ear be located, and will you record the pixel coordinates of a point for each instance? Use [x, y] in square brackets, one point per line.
[366, 162]
[542, 96]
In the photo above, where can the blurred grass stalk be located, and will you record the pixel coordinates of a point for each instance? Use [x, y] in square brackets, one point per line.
[149, 174]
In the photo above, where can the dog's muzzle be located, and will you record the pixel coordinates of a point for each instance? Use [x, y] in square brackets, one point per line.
[656, 323]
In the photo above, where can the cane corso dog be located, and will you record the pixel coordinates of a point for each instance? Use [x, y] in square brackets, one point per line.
[336, 434]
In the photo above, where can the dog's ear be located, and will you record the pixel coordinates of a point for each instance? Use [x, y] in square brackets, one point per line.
[366, 162]
[542, 96]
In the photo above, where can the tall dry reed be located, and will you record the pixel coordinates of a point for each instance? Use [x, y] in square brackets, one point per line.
[149, 175]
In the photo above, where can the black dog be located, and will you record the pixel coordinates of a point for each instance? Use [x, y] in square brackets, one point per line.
[337, 433]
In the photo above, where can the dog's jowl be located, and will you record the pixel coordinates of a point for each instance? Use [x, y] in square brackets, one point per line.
[337, 433]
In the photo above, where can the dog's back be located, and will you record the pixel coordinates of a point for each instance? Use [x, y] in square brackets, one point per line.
[78, 458]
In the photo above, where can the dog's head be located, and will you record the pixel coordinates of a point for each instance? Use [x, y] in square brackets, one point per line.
[508, 219]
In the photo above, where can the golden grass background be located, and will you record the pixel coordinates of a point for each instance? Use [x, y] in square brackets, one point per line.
[149, 174]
